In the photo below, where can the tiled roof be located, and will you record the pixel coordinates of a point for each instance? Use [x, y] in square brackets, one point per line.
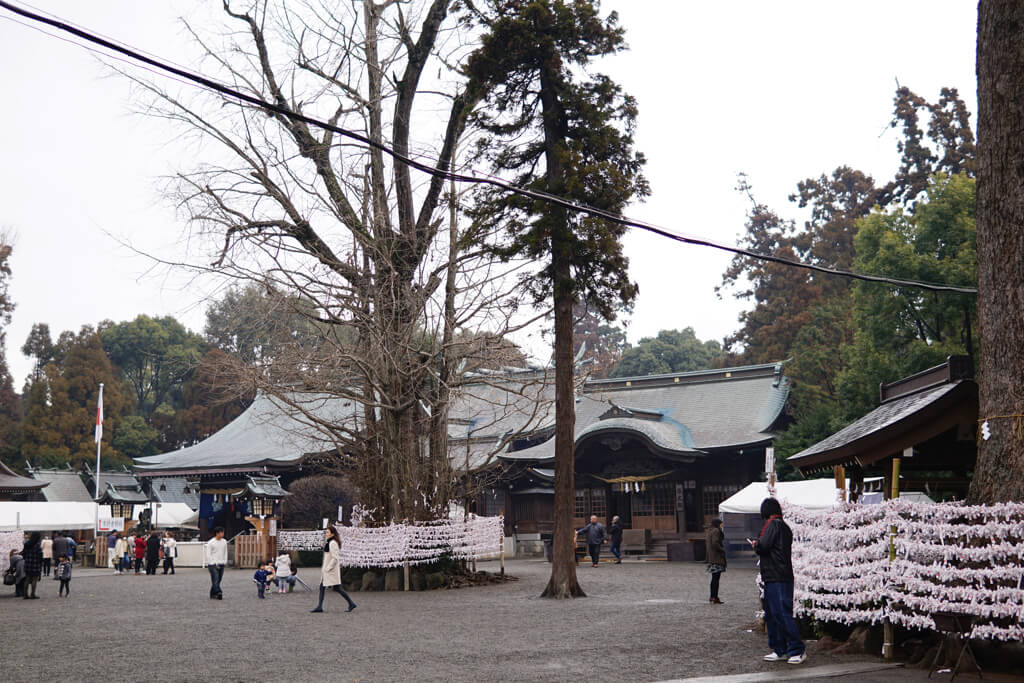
[123, 494]
[15, 483]
[266, 487]
[172, 490]
[65, 486]
[695, 411]
[888, 418]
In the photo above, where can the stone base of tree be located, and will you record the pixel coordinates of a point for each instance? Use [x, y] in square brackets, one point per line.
[357, 579]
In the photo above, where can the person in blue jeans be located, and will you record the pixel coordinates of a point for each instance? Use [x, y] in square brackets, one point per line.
[615, 533]
[774, 547]
[216, 557]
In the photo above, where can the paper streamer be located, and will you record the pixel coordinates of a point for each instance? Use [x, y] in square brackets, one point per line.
[394, 545]
[949, 557]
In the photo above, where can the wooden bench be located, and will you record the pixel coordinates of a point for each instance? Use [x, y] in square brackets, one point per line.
[635, 540]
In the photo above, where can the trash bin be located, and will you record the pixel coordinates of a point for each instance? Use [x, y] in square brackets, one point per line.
[548, 543]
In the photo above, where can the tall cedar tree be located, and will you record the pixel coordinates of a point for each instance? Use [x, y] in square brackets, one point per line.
[61, 414]
[10, 406]
[547, 112]
[999, 475]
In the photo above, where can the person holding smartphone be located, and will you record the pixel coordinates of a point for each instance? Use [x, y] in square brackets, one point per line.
[774, 547]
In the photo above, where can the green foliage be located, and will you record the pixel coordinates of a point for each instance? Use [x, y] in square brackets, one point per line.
[901, 330]
[39, 347]
[559, 129]
[155, 356]
[61, 415]
[670, 351]
[254, 324]
[604, 341]
[135, 438]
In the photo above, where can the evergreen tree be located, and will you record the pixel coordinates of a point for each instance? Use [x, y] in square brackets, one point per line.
[670, 351]
[61, 417]
[566, 131]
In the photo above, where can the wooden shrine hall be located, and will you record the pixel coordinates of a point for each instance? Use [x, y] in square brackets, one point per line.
[922, 436]
[660, 451]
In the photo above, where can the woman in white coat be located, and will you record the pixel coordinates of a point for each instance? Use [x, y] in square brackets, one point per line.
[330, 570]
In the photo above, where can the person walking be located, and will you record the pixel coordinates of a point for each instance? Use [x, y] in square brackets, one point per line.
[121, 552]
[32, 552]
[714, 541]
[330, 569]
[216, 551]
[596, 535]
[615, 533]
[140, 551]
[170, 548]
[47, 545]
[113, 560]
[63, 572]
[774, 547]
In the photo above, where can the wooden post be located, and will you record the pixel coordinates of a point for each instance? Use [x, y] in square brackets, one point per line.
[501, 514]
[888, 651]
[407, 576]
[840, 474]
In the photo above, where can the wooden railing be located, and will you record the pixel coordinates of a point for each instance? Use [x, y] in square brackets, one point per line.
[251, 549]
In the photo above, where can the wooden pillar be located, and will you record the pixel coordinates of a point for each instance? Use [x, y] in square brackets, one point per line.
[893, 492]
[840, 474]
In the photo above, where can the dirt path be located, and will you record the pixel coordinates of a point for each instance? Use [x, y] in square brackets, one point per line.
[641, 622]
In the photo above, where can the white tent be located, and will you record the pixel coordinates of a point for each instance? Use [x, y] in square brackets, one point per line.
[812, 495]
[63, 516]
[46, 516]
[164, 515]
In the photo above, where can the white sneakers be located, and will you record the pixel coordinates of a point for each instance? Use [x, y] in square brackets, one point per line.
[795, 659]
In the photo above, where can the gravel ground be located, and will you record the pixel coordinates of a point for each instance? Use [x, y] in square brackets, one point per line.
[641, 621]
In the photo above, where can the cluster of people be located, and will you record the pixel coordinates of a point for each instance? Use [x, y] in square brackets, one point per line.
[36, 559]
[774, 548]
[281, 572]
[141, 551]
[596, 536]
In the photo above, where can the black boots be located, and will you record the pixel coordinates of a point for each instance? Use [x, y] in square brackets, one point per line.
[338, 589]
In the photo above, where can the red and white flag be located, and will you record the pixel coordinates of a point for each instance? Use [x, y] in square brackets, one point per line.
[99, 417]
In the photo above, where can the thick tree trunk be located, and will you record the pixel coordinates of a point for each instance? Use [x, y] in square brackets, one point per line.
[563, 583]
[999, 475]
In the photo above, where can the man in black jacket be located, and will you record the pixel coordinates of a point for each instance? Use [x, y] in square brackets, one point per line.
[774, 547]
[596, 535]
[615, 533]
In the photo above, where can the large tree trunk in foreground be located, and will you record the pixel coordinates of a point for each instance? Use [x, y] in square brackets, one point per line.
[999, 475]
[563, 583]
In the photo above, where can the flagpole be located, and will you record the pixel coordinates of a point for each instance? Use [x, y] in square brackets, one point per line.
[99, 441]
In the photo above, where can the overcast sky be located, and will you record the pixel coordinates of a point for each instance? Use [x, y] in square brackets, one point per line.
[781, 91]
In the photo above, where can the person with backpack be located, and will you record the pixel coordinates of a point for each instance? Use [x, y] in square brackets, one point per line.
[774, 547]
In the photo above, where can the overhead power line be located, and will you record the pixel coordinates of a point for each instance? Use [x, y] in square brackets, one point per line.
[475, 179]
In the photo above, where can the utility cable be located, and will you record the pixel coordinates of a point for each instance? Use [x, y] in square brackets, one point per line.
[477, 179]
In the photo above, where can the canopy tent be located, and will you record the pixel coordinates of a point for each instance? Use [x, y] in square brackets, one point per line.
[165, 515]
[53, 516]
[812, 495]
[46, 516]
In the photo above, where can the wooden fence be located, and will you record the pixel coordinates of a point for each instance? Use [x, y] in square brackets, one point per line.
[251, 549]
